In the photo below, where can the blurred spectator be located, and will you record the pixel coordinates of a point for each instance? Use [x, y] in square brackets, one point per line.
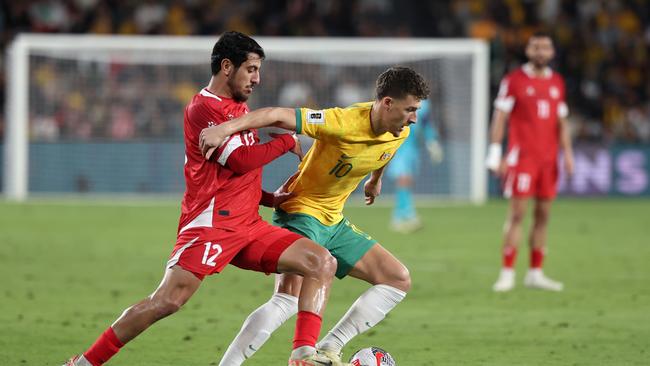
[603, 50]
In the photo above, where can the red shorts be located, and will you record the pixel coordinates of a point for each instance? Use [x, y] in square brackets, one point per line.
[204, 251]
[529, 179]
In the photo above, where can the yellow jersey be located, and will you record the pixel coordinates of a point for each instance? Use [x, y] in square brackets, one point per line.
[345, 150]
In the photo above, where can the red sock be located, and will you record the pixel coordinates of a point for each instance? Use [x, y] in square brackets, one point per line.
[536, 258]
[307, 329]
[509, 255]
[104, 348]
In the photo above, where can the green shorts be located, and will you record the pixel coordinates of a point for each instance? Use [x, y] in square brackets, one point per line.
[345, 242]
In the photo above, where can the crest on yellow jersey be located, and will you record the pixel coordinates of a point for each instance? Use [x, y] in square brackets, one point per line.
[385, 156]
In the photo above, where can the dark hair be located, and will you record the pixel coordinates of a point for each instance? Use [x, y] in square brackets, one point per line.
[541, 34]
[398, 82]
[234, 46]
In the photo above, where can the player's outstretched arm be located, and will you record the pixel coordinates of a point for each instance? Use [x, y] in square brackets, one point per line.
[212, 137]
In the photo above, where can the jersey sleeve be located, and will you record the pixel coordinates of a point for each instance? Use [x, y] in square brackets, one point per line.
[250, 157]
[505, 99]
[562, 108]
[198, 117]
[319, 124]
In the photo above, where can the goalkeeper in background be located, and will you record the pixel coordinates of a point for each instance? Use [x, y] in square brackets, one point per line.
[404, 167]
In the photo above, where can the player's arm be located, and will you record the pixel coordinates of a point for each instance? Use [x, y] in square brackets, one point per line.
[212, 137]
[372, 187]
[503, 105]
[280, 195]
[497, 131]
[432, 143]
[565, 143]
[242, 158]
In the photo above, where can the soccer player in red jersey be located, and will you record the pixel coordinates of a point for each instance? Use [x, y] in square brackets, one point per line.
[219, 223]
[532, 98]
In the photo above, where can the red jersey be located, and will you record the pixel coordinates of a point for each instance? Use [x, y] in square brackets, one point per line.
[216, 196]
[535, 105]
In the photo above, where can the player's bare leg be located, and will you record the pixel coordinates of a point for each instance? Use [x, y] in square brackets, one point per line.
[176, 287]
[511, 239]
[317, 267]
[535, 277]
[391, 281]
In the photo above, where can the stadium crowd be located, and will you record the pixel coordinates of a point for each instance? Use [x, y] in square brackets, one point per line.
[603, 50]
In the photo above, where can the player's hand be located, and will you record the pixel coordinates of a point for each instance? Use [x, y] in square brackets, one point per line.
[493, 160]
[297, 149]
[435, 152]
[210, 139]
[279, 197]
[371, 189]
[569, 165]
[285, 186]
[503, 169]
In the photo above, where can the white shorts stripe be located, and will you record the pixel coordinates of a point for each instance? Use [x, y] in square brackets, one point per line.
[204, 219]
[177, 256]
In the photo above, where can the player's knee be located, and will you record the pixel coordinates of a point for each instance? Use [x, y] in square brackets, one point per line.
[329, 265]
[321, 264]
[326, 265]
[166, 307]
[402, 279]
[516, 217]
[396, 276]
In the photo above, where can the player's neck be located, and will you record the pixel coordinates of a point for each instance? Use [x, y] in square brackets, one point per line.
[219, 87]
[538, 71]
[375, 119]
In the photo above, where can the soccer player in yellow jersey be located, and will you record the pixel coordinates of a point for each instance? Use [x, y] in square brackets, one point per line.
[350, 143]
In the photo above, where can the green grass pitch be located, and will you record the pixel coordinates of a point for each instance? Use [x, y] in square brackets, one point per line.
[69, 269]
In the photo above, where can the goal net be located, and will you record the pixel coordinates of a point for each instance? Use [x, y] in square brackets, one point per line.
[104, 114]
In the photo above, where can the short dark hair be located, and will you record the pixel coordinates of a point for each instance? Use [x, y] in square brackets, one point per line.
[398, 82]
[234, 46]
[541, 34]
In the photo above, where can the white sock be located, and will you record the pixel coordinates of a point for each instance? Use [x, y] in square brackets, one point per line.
[258, 328]
[81, 361]
[369, 309]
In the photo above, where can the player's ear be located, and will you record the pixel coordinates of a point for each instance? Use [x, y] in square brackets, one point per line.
[387, 102]
[226, 66]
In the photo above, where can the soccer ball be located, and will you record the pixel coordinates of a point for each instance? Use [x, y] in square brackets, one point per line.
[372, 356]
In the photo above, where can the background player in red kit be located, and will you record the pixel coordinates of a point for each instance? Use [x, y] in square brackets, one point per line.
[219, 222]
[533, 99]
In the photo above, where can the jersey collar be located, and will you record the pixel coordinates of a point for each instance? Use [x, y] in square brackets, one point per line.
[528, 70]
[206, 93]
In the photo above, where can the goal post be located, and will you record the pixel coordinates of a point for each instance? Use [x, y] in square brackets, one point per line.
[103, 114]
